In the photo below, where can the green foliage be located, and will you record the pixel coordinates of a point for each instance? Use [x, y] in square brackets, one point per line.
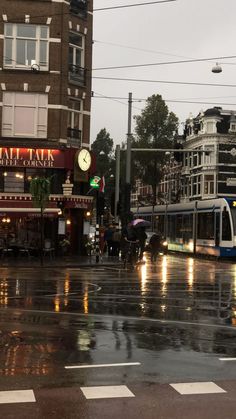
[40, 191]
[103, 150]
[156, 127]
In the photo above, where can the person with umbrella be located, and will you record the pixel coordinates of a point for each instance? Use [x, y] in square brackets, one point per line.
[139, 225]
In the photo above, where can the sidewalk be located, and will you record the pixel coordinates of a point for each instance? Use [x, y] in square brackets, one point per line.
[65, 262]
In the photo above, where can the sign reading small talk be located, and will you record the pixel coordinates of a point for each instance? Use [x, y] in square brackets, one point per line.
[30, 157]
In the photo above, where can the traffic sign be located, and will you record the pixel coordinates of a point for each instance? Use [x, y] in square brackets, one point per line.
[94, 182]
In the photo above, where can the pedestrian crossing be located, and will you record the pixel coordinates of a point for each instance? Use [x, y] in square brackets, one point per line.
[113, 392]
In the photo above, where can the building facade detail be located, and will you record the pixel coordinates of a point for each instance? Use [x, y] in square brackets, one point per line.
[45, 102]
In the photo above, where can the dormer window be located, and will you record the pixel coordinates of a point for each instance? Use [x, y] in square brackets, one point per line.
[233, 127]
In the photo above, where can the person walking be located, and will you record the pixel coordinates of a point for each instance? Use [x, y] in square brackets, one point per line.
[155, 242]
[108, 238]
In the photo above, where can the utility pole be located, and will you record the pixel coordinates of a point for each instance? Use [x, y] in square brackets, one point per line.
[128, 158]
[117, 181]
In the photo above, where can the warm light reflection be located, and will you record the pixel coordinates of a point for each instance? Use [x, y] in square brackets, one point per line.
[164, 273]
[66, 288]
[57, 304]
[163, 308]
[86, 300]
[4, 293]
[190, 246]
[190, 273]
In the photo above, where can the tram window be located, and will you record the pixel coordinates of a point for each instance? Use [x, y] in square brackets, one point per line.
[160, 224]
[179, 225]
[226, 230]
[187, 227]
[171, 227]
[206, 225]
[233, 213]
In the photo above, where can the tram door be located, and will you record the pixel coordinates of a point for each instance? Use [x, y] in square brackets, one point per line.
[217, 228]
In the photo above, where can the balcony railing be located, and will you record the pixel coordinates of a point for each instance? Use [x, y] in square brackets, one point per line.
[77, 74]
[79, 7]
[74, 137]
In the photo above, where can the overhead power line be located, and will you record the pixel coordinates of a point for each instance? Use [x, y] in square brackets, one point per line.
[133, 5]
[164, 81]
[169, 100]
[192, 60]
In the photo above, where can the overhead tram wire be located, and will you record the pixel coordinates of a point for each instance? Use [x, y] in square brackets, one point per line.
[163, 81]
[134, 5]
[101, 96]
[94, 10]
[193, 60]
[170, 100]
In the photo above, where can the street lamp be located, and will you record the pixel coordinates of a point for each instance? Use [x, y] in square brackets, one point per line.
[216, 68]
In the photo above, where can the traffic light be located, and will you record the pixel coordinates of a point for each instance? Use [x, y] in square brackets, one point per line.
[178, 156]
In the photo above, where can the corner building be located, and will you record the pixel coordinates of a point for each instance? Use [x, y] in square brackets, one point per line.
[45, 100]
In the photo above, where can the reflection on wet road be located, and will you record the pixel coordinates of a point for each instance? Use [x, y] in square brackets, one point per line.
[176, 318]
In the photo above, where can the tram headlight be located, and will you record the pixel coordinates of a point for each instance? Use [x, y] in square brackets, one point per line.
[165, 243]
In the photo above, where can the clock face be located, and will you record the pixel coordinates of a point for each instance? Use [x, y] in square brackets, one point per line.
[84, 159]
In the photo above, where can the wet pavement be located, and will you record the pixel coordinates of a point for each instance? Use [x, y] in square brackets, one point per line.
[167, 323]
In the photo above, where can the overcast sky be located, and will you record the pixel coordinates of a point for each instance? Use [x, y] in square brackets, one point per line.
[159, 33]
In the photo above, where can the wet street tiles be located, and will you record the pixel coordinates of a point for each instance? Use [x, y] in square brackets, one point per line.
[17, 396]
[106, 392]
[197, 388]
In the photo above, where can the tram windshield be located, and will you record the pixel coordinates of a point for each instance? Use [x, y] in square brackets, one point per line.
[233, 213]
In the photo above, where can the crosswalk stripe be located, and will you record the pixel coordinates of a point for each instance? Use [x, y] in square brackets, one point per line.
[17, 396]
[197, 388]
[106, 392]
[124, 364]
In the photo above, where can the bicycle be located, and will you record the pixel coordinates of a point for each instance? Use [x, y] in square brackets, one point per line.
[131, 254]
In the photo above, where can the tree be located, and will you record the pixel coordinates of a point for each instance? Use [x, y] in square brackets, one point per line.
[40, 191]
[102, 147]
[156, 127]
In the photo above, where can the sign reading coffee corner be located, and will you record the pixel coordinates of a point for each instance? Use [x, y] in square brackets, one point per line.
[31, 157]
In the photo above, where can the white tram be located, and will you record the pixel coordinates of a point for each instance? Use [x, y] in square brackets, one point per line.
[204, 227]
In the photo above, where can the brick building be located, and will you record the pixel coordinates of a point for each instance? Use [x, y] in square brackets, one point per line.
[45, 99]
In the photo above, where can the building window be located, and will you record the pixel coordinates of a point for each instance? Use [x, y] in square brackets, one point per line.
[210, 127]
[79, 7]
[209, 184]
[76, 58]
[24, 115]
[233, 127]
[25, 45]
[74, 124]
[209, 157]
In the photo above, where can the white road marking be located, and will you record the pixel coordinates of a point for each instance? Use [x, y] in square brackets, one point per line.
[106, 392]
[124, 364]
[197, 388]
[227, 359]
[17, 396]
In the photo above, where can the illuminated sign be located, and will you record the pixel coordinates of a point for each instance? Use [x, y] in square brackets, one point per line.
[94, 182]
[30, 157]
[233, 204]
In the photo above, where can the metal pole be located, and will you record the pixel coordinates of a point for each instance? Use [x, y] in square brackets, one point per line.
[128, 158]
[117, 181]
[97, 244]
[128, 152]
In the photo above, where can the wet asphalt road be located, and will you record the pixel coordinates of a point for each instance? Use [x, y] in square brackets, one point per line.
[175, 318]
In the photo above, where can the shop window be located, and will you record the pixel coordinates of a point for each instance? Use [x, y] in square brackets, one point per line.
[24, 115]
[24, 45]
[14, 181]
